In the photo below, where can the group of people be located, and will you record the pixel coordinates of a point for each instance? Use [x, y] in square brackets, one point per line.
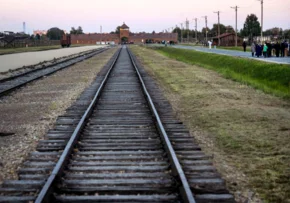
[268, 49]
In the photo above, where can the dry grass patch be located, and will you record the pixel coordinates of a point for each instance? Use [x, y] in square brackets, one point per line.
[246, 130]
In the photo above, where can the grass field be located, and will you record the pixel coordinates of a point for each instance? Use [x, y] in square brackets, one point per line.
[271, 78]
[246, 131]
[239, 48]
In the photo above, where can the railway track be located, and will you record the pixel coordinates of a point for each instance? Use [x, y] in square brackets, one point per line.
[119, 142]
[12, 83]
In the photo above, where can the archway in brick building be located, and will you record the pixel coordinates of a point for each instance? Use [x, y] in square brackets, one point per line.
[124, 40]
[149, 41]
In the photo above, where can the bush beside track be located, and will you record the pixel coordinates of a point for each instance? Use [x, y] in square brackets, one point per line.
[269, 77]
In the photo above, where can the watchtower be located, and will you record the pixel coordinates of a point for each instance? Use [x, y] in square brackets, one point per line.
[124, 33]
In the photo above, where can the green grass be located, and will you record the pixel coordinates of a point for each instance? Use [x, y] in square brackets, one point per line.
[246, 129]
[238, 48]
[271, 78]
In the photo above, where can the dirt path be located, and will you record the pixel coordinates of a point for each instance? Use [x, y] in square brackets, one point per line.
[246, 131]
[30, 112]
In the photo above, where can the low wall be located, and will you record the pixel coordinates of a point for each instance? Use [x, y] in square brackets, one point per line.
[29, 43]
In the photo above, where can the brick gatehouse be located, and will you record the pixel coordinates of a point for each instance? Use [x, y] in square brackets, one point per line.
[124, 36]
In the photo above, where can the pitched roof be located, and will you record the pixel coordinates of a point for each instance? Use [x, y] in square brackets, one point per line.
[124, 26]
[96, 37]
[224, 35]
[160, 35]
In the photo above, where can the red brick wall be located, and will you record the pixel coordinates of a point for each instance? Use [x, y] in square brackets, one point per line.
[124, 33]
[134, 37]
[94, 38]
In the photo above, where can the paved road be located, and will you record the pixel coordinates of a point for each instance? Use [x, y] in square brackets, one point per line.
[284, 60]
[14, 61]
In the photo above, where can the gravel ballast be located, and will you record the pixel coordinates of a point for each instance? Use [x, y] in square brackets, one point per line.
[28, 113]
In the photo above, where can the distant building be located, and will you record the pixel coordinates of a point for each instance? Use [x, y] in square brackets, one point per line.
[124, 36]
[227, 39]
[8, 33]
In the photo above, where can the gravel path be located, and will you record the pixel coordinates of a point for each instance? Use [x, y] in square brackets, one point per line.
[284, 60]
[14, 61]
[29, 113]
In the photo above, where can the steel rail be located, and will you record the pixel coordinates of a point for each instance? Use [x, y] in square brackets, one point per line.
[81, 58]
[45, 194]
[177, 169]
[48, 66]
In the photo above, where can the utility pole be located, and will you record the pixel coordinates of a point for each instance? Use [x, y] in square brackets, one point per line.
[101, 35]
[262, 2]
[205, 27]
[218, 12]
[195, 30]
[24, 28]
[187, 28]
[236, 9]
[181, 38]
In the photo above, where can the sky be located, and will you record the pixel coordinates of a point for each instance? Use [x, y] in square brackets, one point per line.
[139, 15]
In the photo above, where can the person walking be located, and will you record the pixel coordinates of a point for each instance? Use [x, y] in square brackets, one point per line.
[253, 49]
[209, 44]
[282, 49]
[277, 49]
[286, 49]
[269, 52]
[259, 49]
[265, 50]
[245, 45]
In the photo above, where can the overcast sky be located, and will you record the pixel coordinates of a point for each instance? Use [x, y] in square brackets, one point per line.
[139, 15]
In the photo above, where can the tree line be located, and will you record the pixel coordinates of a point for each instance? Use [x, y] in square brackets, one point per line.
[251, 29]
[55, 33]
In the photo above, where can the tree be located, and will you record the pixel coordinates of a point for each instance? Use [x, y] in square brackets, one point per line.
[153, 32]
[209, 32]
[204, 30]
[287, 33]
[117, 30]
[76, 31]
[37, 36]
[73, 31]
[273, 32]
[230, 29]
[251, 26]
[80, 30]
[55, 33]
[214, 30]
[178, 31]
[43, 37]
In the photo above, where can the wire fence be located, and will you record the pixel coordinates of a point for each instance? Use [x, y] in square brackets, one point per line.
[27, 43]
